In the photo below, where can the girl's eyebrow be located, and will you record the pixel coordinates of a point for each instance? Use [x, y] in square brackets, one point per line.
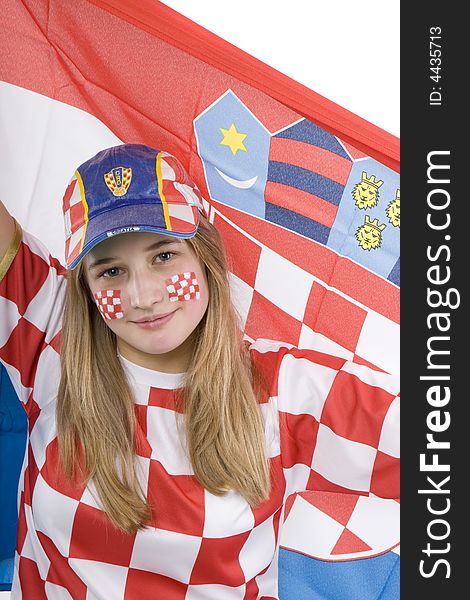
[163, 242]
[155, 246]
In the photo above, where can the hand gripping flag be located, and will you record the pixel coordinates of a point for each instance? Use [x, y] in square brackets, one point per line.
[305, 194]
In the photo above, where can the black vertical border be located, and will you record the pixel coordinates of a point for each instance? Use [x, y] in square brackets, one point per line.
[426, 128]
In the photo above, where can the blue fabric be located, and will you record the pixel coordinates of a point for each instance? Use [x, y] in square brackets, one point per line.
[6, 574]
[13, 427]
[367, 579]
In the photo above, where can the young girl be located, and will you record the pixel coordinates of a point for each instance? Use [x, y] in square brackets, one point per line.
[161, 446]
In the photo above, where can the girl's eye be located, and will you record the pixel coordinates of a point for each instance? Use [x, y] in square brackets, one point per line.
[112, 272]
[163, 256]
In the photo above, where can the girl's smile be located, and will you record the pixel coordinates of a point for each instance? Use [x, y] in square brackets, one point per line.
[155, 321]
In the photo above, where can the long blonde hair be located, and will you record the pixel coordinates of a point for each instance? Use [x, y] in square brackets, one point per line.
[223, 424]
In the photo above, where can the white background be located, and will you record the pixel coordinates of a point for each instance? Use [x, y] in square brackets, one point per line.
[346, 51]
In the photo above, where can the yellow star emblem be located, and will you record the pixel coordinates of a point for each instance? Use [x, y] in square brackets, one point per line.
[233, 139]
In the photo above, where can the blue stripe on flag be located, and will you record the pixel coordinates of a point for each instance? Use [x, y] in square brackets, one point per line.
[394, 275]
[298, 223]
[305, 180]
[308, 132]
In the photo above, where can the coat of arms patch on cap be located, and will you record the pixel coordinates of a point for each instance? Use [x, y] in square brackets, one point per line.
[118, 180]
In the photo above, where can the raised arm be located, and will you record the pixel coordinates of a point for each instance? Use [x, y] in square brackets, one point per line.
[32, 291]
[7, 230]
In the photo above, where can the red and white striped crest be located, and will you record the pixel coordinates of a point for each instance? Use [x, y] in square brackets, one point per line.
[75, 218]
[182, 199]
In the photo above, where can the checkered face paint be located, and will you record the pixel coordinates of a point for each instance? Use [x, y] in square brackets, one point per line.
[109, 303]
[183, 286]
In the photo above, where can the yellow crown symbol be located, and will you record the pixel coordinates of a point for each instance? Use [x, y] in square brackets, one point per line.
[371, 180]
[374, 224]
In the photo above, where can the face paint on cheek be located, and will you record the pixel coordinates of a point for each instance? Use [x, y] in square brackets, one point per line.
[109, 303]
[183, 286]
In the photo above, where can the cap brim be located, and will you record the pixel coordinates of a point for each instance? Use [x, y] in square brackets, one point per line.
[143, 217]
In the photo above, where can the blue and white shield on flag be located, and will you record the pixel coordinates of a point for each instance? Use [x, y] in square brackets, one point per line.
[234, 148]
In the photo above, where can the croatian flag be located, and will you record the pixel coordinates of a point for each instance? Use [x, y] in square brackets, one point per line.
[305, 194]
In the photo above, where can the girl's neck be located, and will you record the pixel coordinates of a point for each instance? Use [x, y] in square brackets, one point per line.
[176, 361]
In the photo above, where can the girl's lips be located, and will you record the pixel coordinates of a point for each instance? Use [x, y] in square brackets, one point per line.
[155, 322]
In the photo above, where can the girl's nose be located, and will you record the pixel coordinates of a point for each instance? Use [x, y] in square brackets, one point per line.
[145, 290]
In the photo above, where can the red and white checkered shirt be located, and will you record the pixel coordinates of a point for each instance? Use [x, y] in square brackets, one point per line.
[330, 424]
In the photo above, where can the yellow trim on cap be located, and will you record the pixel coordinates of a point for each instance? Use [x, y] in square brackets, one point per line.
[85, 207]
[12, 251]
[166, 214]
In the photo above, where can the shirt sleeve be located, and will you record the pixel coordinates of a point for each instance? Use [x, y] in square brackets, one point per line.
[339, 425]
[32, 293]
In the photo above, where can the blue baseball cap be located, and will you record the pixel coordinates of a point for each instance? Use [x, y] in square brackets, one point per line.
[128, 188]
